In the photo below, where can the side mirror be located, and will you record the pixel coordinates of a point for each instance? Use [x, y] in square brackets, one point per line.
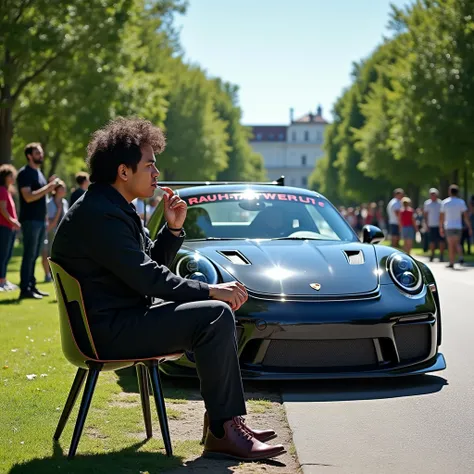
[372, 234]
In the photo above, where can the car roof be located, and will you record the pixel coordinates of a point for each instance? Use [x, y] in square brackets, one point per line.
[236, 188]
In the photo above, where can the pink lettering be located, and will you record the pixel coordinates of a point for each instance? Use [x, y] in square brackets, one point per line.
[220, 197]
[282, 197]
[304, 200]
[292, 197]
[320, 203]
[269, 196]
[202, 199]
[192, 201]
[211, 197]
[313, 202]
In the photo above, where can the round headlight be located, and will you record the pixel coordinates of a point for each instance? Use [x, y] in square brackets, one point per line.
[197, 267]
[405, 272]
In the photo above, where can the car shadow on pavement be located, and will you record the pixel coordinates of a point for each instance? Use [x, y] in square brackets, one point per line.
[361, 389]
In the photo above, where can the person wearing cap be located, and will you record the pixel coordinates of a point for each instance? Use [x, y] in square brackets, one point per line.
[453, 211]
[393, 213]
[431, 211]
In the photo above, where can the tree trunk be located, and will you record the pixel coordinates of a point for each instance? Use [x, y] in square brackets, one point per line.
[6, 133]
[455, 177]
[54, 163]
[443, 187]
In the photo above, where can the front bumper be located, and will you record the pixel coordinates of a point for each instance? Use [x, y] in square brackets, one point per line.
[387, 336]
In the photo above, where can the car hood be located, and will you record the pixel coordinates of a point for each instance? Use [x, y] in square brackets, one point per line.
[289, 267]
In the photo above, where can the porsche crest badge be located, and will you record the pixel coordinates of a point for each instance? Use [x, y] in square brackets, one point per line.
[315, 286]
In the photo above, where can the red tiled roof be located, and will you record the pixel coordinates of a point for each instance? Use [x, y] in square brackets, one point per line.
[311, 118]
[269, 133]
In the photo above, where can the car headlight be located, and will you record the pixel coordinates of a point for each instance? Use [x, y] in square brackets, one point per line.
[405, 272]
[196, 267]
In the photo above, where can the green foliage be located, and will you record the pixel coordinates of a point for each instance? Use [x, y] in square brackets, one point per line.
[244, 164]
[83, 63]
[407, 118]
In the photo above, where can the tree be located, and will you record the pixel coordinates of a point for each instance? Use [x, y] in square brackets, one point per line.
[197, 140]
[243, 163]
[38, 38]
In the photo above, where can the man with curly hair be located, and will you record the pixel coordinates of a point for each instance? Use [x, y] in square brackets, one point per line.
[102, 243]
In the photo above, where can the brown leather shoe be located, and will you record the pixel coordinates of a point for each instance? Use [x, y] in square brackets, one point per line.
[239, 444]
[261, 435]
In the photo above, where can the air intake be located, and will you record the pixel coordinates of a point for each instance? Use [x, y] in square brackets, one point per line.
[235, 257]
[354, 257]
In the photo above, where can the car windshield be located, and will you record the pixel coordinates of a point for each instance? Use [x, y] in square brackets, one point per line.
[264, 215]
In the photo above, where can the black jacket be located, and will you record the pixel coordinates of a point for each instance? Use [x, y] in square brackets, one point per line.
[101, 242]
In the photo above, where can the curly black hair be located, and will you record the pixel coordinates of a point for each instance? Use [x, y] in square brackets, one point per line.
[119, 143]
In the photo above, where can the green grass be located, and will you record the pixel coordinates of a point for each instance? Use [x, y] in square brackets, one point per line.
[259, 406]
[113, 439]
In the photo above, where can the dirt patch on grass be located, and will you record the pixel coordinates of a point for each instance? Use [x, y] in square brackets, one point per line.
[264, 410]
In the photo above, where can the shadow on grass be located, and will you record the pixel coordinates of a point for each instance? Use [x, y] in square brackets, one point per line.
[10, 301]
[187, 389]
[125, 461]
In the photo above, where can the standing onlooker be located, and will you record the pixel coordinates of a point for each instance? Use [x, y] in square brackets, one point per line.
[453, 211]
[408, 224]
[56, 209]
[33, 189]
[432, 210]
[393, 213]
[82, 181]
[9, 223]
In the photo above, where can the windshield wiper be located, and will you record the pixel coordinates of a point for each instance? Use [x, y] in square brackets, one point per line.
[219, 238]
[298, 238]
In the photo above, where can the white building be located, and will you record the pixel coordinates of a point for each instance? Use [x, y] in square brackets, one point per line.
[291, 150]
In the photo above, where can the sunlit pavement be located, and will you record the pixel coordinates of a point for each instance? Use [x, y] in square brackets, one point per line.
[410, 425]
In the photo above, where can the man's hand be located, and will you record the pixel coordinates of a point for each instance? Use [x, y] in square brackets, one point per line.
[16, 224]
[441, 231]
[233, 293]
[53, 182]
[175, 209]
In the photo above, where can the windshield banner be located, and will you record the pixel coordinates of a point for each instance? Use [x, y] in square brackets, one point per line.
[216, 197]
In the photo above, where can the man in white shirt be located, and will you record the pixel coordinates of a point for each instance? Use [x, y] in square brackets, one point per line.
[393, 213]
[431, 211]
[453, 211]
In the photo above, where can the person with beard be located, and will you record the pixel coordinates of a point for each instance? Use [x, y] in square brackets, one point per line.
[33, 190]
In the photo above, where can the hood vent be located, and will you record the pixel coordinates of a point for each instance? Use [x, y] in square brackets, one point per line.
[235, 257]
[354, 257]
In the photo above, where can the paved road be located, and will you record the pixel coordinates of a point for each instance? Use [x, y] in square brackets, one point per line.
[415, 425]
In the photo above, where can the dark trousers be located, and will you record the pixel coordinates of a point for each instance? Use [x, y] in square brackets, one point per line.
[206, 328]
[33, 240]
[7, 239]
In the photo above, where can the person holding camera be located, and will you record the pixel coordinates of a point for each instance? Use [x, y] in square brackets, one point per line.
[33, 190]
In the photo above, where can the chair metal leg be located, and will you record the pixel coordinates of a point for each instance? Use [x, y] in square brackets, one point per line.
[70, 402]
[160, 406]
[142, 376]
[84, 408]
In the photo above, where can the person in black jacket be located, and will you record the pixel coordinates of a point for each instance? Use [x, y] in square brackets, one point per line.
[136, 306]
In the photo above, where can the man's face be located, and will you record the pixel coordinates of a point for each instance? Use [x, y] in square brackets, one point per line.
[37, 156]
[399, 195]
[433, 196]
[142, 183]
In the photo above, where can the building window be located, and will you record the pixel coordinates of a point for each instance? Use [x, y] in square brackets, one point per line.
[319, 137]
[306, 136]
[303, 160]
[293, 136]
[280, 136]
[270, 137]
[304, 181]
[259, 136]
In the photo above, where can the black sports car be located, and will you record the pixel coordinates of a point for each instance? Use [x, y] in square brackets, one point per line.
[322, 304]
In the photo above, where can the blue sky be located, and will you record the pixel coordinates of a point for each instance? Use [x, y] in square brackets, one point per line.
[283, 53]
